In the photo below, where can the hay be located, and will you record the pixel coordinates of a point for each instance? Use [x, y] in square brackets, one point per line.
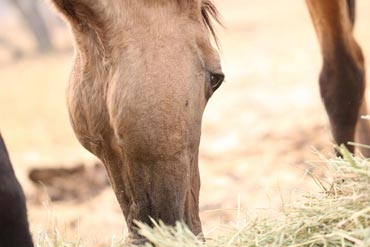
[339, 216]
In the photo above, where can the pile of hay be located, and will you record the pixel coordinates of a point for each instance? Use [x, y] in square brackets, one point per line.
[339, 216]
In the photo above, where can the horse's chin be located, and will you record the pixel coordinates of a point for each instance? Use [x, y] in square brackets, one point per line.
[135, 240]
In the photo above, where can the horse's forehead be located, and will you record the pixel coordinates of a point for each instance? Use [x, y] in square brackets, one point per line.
[175, 7]
[157, 51]
[161, 25]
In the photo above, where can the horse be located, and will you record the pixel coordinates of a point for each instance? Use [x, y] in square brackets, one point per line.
[142, 75]
[14, 228]
[342, 78]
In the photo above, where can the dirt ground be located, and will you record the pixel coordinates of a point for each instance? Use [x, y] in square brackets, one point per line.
[261, 130]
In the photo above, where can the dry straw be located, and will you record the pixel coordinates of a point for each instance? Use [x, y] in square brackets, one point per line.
[338, 216]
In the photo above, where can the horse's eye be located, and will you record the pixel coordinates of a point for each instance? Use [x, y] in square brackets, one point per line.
[216, 80]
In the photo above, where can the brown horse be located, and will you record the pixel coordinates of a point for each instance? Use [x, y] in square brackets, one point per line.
[13, 213]
[143, 73]
[342, 79]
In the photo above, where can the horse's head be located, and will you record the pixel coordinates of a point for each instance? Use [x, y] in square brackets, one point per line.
[158, 69]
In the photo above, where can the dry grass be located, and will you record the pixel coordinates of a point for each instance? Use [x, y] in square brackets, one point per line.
[338, 216]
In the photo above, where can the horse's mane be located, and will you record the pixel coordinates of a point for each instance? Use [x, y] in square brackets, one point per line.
[209, 12]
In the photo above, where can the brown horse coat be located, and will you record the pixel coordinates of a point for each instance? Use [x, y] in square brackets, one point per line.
[342, 78]
[143, 73]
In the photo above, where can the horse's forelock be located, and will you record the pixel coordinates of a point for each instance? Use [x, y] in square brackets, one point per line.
[209, 12]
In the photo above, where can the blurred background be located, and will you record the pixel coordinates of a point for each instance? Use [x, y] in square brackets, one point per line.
[261, 131]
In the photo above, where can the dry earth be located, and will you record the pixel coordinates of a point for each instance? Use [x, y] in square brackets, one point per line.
[260, 130]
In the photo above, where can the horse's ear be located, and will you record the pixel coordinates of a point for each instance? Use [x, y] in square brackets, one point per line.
[81, 14]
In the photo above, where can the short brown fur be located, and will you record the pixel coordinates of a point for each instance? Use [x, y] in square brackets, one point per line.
[143, 73]
[342, 79]
[142, 77]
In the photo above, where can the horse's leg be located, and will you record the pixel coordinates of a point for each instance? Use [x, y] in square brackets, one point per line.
[342, 79]
[363, 130]
[363, 126]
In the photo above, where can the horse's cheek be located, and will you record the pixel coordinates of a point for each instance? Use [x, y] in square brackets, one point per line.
[78, 118]
[87, 116]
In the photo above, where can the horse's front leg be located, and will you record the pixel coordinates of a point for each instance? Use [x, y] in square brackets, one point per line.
[342, 79]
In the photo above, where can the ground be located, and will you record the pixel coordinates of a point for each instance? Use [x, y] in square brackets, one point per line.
[261, 130]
